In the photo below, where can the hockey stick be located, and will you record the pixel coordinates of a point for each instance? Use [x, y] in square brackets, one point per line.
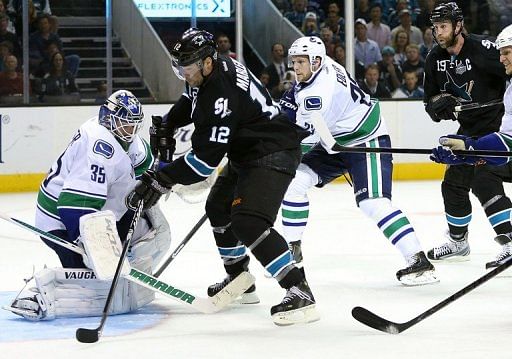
[372, 320]
[181, 245]
[472, 106]
[326, 136]
[204, 305]
[84, 335]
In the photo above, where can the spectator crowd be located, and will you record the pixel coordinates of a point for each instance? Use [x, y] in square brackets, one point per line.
[392, 40]
[52, 71]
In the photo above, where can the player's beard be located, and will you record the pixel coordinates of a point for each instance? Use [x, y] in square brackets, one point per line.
[447, 43]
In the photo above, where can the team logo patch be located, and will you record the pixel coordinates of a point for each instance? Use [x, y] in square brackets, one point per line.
[313, 103]
[103, 148]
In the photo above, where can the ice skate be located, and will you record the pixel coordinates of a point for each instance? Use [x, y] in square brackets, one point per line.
[31, 308]
[451, 251]
[248, 297]
[419, 271]
[504, 255]
[298, 306]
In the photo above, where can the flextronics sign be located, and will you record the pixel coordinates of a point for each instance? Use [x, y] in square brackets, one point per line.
[183, 8]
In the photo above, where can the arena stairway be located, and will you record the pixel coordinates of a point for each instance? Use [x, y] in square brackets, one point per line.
[82, 29]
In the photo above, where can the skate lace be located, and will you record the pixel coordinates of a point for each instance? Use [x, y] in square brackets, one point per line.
[219, 286]
[294, 292]
[442, 250]
[505, 253]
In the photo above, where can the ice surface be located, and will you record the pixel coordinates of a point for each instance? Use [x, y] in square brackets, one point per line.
[348, 263]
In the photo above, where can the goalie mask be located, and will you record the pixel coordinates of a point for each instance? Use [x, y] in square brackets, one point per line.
[122, 115]
[192, 48]
[310, 46]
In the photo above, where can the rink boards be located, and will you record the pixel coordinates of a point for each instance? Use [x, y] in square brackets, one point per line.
[32, 137]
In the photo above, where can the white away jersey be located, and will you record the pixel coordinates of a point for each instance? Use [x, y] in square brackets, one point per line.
[506, 122]
[347, 110]
[93, 173]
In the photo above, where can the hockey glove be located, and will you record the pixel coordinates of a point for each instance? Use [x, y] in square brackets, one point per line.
[161, 139]
[455, 142]
[150, 188]
[288, 106]
[442, 107]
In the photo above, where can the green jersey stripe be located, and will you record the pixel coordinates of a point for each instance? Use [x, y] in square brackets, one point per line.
[47, 203]
[366, 128]
[146, 164]
[67, 199]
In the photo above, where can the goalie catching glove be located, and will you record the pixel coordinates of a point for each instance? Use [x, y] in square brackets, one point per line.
[442, 107]
[150, 188]
[161, 139]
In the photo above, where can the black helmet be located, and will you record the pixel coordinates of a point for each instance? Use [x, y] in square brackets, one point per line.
[194, 45]
[447, 11]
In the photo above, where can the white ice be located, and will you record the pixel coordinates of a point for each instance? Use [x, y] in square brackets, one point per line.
[348, 263]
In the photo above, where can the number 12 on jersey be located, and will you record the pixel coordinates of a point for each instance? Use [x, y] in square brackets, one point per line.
[220, 134]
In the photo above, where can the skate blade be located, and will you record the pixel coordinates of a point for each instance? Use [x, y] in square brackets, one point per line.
[25, 313]
[427, 277]
[303, 315]
[248, 298]
[452, 259]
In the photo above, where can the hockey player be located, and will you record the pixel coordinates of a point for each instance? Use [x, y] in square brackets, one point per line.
[498, 141]
[95, 173]
[324, 88]
[465, 69]
[234, 114]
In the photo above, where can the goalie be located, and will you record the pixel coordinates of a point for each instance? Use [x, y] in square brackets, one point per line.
[82, 200]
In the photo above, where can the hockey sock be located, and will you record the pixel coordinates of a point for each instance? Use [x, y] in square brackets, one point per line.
[457, 208]
[231, 250]
[497, 210]
[269, 248]
[295, 206]
[393, 223]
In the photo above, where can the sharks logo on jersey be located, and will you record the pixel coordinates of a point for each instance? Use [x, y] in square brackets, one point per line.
[313, 103]
[103, 148]
[463, 92]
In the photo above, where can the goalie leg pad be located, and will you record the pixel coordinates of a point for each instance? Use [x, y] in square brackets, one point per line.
[64, 292]
[154, 243]
[98, 235]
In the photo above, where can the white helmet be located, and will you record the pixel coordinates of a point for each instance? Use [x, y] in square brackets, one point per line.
[504, 39]
[311, 46]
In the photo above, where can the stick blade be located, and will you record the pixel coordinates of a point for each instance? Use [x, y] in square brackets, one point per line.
[374, 321]
[84, 335]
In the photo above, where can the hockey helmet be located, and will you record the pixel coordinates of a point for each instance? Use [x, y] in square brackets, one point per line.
[194, 46]
[122, 115]
[447, 11]
[504, 38]
[310, 46]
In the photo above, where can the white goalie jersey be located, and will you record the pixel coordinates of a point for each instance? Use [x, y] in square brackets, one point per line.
[94, 173]
[351, 116]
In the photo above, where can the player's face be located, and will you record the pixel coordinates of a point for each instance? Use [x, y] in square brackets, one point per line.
[192, 74]
[506, 59]
[444, 33]
[302, 68]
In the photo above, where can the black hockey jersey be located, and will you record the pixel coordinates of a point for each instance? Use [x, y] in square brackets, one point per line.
[474, 75]
[233, 114]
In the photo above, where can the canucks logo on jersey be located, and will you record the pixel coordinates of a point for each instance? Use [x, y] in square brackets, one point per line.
[103, 148]
[313, 103]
